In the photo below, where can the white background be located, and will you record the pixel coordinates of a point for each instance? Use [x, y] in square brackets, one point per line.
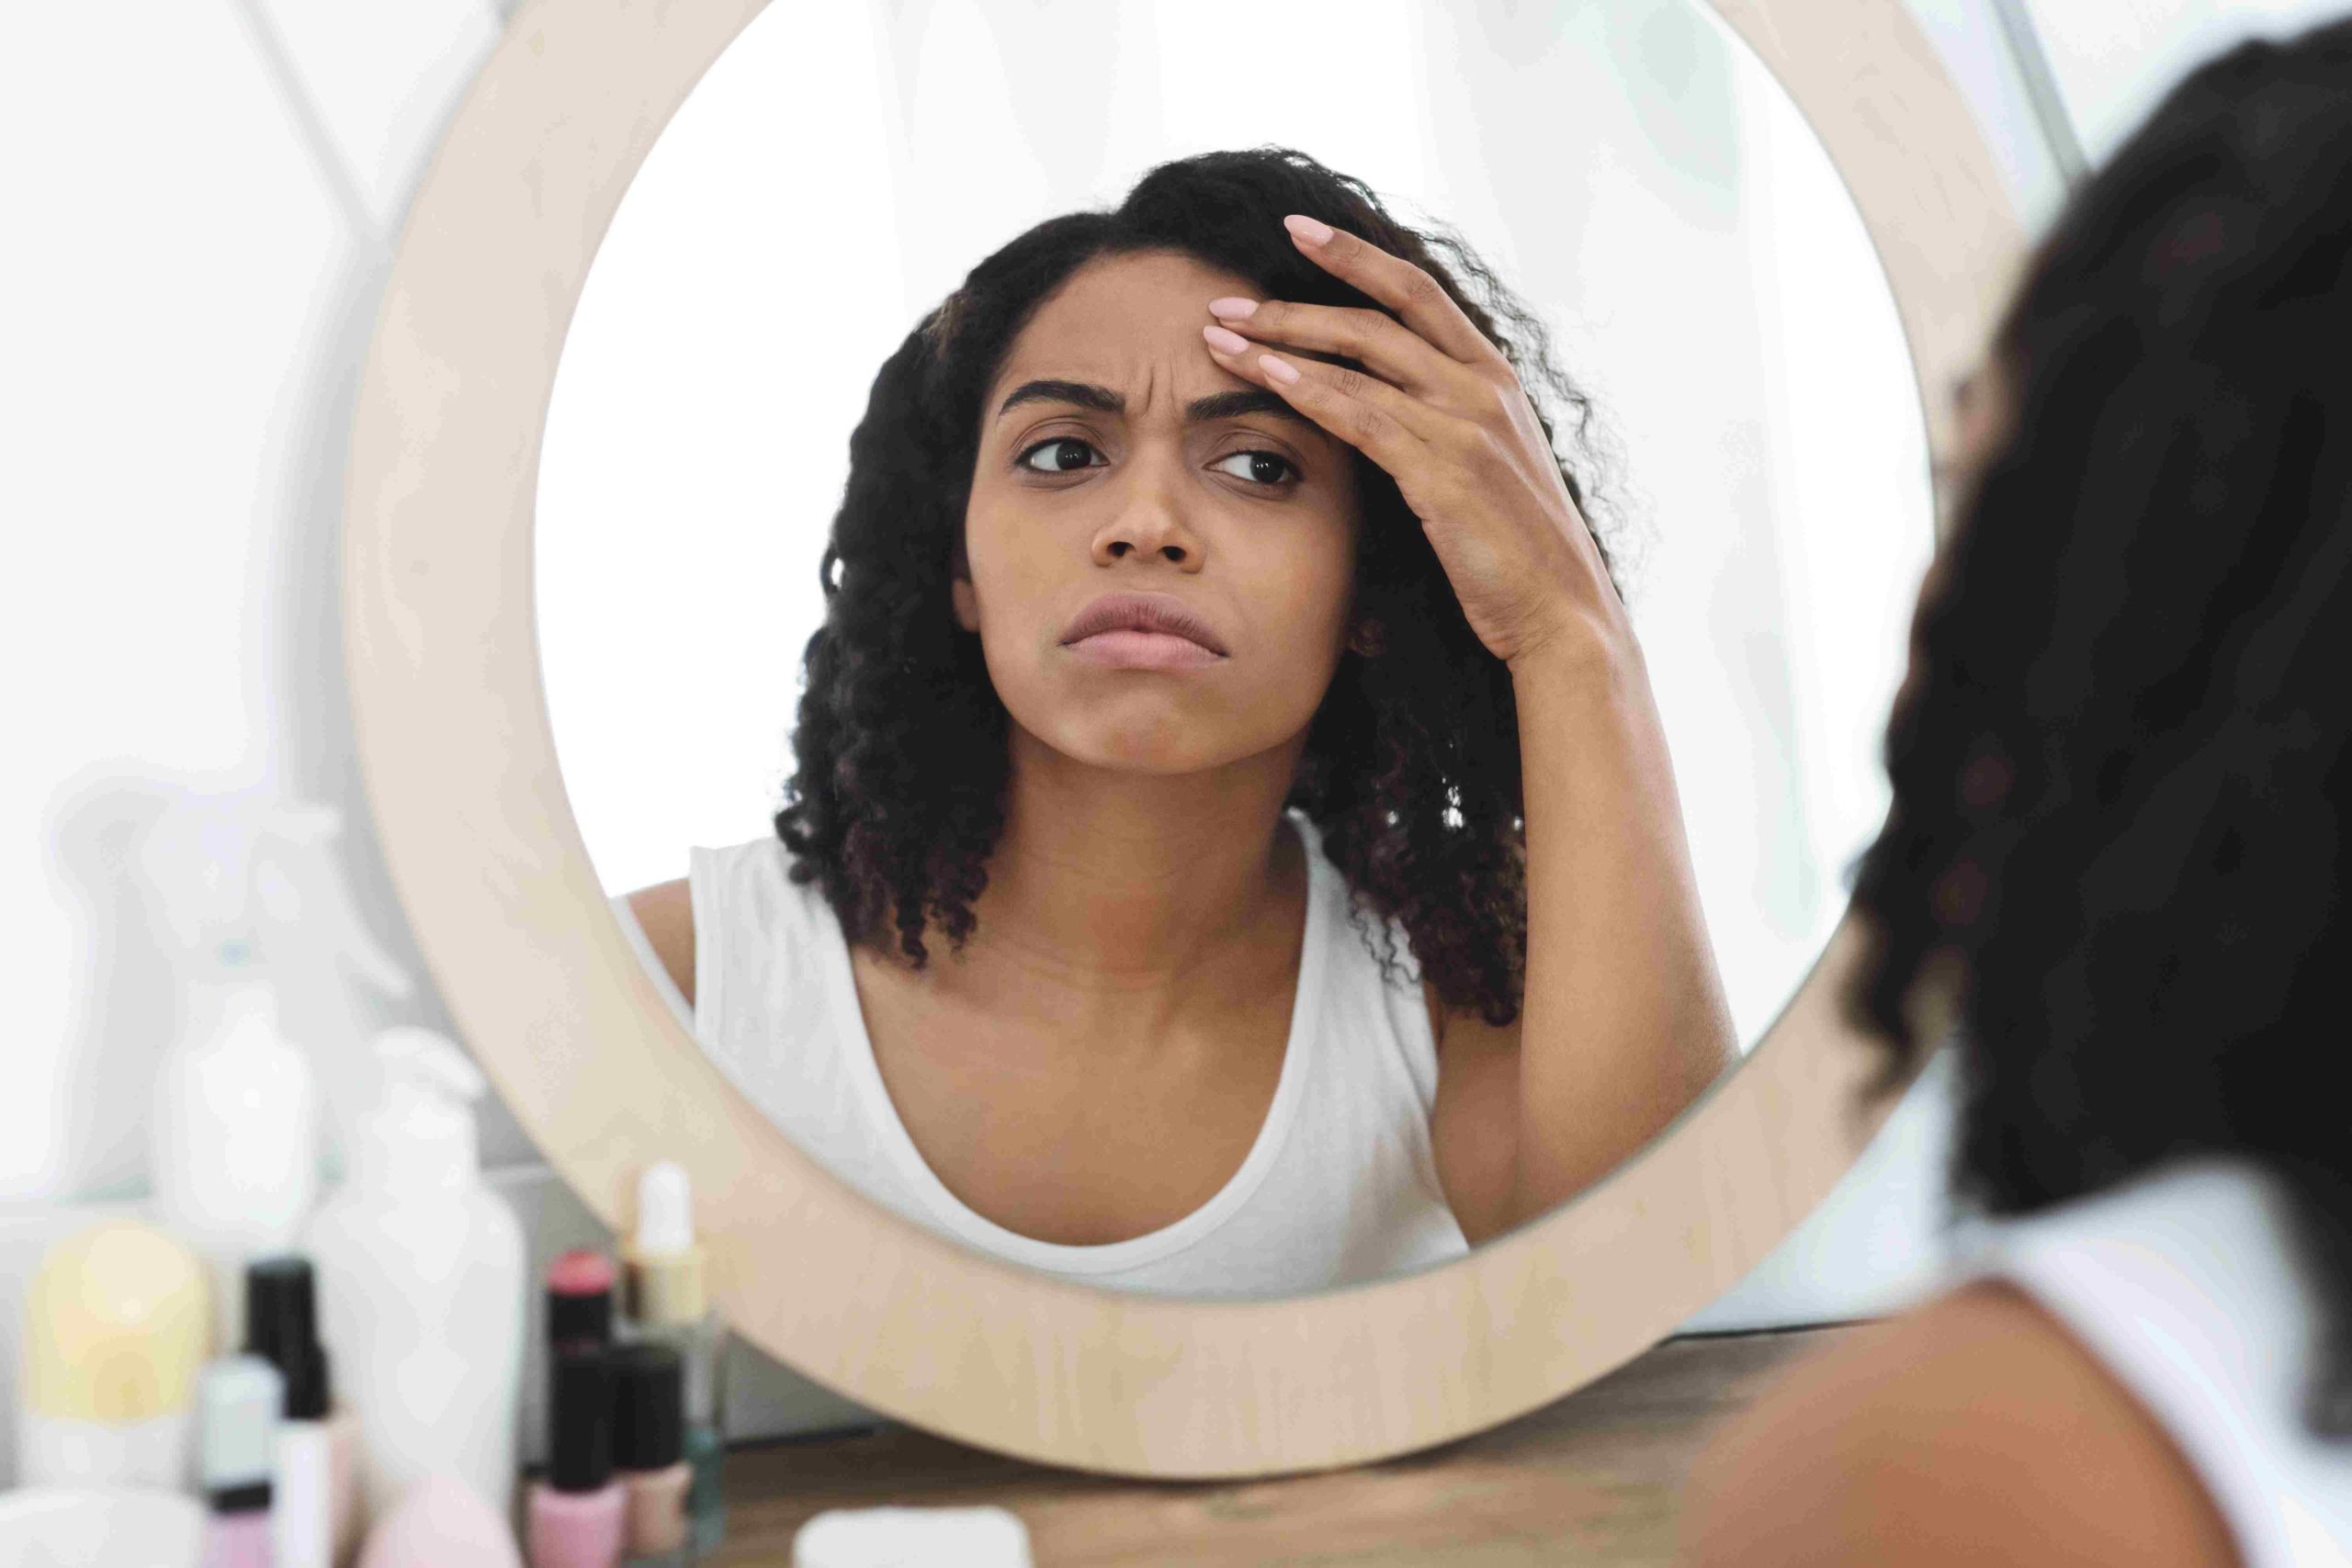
[199, 197]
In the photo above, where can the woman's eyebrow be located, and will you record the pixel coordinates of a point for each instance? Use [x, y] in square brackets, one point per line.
[1200, 411]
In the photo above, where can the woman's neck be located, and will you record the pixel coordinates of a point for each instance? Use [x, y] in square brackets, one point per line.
[1124, 888]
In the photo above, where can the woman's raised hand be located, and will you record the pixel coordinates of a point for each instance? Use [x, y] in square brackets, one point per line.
[1443, 410]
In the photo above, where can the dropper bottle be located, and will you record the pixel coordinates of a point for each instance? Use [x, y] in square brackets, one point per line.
[663, 1298]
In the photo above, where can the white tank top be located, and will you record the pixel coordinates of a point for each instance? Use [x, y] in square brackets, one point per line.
[2186, 1285]
[1340, 1185]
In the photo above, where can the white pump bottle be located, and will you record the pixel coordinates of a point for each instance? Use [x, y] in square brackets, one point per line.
[421, 1284]
[246, 890]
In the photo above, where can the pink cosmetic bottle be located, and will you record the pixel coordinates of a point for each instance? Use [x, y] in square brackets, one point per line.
[317, 1505]
[579, 1514]
[649, 1451]
[239, 1398]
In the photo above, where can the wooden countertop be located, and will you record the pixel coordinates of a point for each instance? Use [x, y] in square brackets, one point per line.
[1593, 1478]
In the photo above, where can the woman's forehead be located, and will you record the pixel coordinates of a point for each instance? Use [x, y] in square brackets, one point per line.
[1132, 324]
[1129, 298]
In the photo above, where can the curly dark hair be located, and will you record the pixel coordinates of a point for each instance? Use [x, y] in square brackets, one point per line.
[1412, 765]
[2116, 848]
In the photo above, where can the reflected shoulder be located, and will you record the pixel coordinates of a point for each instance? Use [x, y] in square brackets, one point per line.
[665, 912]
[1975, 1429]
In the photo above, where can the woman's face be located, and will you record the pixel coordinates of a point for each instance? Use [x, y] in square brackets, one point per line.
[1114, 481]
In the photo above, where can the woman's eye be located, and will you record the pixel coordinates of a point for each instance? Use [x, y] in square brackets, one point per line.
[1265, 467]
[1056, 467]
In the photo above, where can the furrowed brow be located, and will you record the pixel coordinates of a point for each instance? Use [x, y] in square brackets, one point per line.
[1200, 411]
[1241, 404]
[1086, 395]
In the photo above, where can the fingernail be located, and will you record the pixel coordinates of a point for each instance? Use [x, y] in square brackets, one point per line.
[1308, 228]
[1225, 341]
[1276, 368]
[1233, 307]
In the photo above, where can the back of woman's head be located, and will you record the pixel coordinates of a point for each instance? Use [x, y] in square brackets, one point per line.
[1411, 765]
[2119, 767]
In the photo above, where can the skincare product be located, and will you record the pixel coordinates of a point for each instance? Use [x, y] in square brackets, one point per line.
[315, 1517]
[247, 893]
[440, 1521]
[986, 1537]
[421, 1284]
[114, 1327]
[664, 1300]
[648, 1451]
[100, 1527]
[237, 1458]
[577, 1517]
[580, 1299]
[235, 1144]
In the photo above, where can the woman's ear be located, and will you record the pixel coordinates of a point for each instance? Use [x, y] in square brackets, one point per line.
[1367, 639]
[968, 606]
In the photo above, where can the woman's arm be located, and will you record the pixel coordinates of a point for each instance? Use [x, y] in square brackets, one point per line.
[666, 914]
[1623, 1020]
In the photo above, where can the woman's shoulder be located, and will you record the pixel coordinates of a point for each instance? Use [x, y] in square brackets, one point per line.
[753, 877]
[1975, 1428]
[665, 913]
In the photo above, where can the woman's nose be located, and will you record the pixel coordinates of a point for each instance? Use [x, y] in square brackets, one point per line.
[1149, 520]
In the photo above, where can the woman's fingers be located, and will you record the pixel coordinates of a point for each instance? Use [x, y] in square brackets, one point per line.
[1396, 283]
[1380, 344]
[1406, 436]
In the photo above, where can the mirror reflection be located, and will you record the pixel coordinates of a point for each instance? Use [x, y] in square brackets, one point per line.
[1200, 823]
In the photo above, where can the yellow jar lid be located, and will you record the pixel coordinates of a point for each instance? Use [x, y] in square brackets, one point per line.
[117, 1320]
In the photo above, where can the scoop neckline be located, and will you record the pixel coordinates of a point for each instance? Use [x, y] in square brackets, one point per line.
[968, 1223]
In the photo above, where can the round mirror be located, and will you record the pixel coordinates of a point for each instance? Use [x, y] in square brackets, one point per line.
[1019, 1174]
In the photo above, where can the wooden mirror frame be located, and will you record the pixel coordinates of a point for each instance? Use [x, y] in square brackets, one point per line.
[460, 765]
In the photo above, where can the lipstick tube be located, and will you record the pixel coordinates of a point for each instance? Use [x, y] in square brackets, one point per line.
[580, 1299]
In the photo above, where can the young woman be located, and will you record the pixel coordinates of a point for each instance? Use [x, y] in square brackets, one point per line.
[2117, 860]
[1205, 581]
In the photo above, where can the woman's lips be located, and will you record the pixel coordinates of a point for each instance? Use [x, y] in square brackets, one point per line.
[1129, 649]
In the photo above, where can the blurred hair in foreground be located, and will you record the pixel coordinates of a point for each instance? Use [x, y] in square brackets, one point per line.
[2116, 844]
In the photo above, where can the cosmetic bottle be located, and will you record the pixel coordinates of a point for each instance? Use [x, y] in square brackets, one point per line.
[237, 1458]
[577, 1517]
[315, 1515]
[115, 1329]
[580, 1299]
[665, 1301]
[421, 1284]
[247, 895]
[234, 1146]
[648, 1451]
[439, 1521]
